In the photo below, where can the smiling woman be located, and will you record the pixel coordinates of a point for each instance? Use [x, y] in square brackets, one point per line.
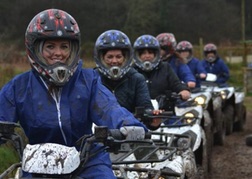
[54, 51]
[65, 98]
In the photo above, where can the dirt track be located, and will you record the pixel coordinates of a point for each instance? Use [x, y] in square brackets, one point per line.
[234, 159]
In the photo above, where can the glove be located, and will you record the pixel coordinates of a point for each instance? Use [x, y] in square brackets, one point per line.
[133, 132]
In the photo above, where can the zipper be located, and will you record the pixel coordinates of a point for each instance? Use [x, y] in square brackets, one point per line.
[56, 95]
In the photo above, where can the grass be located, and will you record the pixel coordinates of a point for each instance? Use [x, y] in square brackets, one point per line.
[236, 74]
[248, 103]
[8, 157]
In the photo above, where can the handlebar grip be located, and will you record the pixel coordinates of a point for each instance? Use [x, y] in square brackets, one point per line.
[167, 113]
[116, 134]
[164, 114]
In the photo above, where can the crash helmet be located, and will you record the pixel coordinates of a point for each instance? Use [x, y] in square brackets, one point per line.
[167, 42]
[185, 46]
[113, 40]
[210, 48]
[150, 43]
[53, 24]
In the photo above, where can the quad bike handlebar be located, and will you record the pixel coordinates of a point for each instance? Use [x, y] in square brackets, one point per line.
[110, 139]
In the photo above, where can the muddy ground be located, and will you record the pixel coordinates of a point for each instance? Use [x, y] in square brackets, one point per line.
[234, 159]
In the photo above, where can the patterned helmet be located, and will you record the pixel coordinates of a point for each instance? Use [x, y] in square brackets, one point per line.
[184, 46]
[146, 42]
[167, 41]
[109, 40]
[210, 48]
[47, 25]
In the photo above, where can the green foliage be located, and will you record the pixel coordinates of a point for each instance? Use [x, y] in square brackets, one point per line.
[143, 18]
[248, 103]
[236, 74]
[6, 74]
[8, 157]
[214, 21]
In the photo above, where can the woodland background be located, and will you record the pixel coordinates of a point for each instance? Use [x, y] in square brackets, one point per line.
[217, 21]
[198, 21]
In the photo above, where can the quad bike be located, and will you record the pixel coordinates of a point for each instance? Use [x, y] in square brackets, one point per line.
[187, 120]
[168, 158]
[166, 155]
[213, 117]
[233, 107]
[50, 160]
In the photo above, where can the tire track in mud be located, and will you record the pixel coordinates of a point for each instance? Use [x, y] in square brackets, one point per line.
[233, 160]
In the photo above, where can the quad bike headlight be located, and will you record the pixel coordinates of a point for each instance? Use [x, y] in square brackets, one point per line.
[189, 117]
[200, 100]
[224, 94]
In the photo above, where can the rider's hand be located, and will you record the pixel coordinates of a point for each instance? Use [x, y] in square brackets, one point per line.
[191, 84]
[133, 132]
[185, 95]
[202, 75]
[156, 121]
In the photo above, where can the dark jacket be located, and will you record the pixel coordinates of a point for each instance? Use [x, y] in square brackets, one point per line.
[131, 91]
[162, 79]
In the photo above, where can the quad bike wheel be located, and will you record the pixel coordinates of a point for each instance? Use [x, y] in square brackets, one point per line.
[219, 136]
[229, 117]
[248, 140]
[239, 125]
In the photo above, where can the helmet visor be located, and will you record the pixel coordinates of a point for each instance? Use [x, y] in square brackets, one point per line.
[50, 52]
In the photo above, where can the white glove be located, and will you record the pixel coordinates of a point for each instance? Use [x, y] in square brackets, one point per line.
[133, 132]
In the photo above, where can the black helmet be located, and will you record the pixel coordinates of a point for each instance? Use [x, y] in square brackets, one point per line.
[146, 42]
[48, 25]
[110, 40]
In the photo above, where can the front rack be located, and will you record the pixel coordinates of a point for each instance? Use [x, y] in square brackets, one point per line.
[142, 158]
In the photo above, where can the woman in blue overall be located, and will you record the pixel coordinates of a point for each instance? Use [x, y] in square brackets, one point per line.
[57, 101]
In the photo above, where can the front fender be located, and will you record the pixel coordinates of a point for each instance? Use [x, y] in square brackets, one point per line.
[239, 97]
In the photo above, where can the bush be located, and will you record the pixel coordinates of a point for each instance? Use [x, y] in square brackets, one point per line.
[8, 157]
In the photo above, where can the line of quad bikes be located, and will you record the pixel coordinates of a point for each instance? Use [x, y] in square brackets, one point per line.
[180, 148]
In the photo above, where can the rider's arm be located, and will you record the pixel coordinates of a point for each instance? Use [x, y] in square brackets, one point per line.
[224, 72]
[175, 83]
[106, 111]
